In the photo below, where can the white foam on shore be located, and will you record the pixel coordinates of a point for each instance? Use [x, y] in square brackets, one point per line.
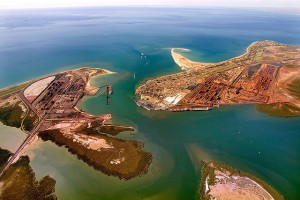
[182, 49]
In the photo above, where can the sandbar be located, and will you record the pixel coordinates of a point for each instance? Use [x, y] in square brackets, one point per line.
[185, 63]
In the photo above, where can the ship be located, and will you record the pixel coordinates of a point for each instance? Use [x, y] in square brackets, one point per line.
[110, 90]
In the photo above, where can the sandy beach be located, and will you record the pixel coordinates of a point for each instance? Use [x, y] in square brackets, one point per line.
[186, 64]
[93, 76]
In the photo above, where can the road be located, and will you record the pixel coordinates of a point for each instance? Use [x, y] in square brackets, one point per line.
[240, 75]
[42, 117]
[30, 134]
[28, 139]
[35, 130]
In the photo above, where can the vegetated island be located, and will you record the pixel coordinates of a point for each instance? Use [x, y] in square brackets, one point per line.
[219, 181]
[268, 75]
[46, 108]
[19, 181]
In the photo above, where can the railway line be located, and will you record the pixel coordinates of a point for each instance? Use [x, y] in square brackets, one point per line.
[51, 98]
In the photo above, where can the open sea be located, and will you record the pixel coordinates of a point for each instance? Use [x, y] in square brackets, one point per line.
[37, 42]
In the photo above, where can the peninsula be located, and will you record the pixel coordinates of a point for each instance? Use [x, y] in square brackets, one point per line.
[268, 75]
[185, 63]
[46, 108]
[19, 181]
[219, 181]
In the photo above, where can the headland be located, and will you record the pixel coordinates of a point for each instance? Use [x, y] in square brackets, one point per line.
[46, 108]
[220, 181]
[185, 63]
[267, 74]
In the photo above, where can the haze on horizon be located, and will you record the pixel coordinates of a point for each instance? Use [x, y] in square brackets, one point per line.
[19, 4]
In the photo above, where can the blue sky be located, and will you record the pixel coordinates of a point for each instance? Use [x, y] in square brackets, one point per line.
[187, 3]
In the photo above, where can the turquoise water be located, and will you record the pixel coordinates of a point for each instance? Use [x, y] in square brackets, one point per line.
[38, 42]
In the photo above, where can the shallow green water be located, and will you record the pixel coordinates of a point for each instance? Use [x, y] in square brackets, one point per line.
[113, 38]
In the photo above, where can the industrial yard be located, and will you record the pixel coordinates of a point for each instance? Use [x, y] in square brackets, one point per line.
[46, 108]
[260, 76]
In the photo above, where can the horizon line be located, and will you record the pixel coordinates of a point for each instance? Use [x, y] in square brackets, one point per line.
[149, 6]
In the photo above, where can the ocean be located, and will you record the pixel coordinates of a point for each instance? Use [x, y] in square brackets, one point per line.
[36, 42]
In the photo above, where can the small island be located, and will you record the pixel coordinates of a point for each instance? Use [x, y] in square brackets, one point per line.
[267, 75]
[46, 108]
[219, 181]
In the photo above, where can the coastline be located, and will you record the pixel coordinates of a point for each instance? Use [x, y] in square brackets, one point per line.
[90, 81]
[124, 159]
[89, 84]
[229, 82]
[87, 137]
[185, 63]
[20, 86]
[214, 170]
